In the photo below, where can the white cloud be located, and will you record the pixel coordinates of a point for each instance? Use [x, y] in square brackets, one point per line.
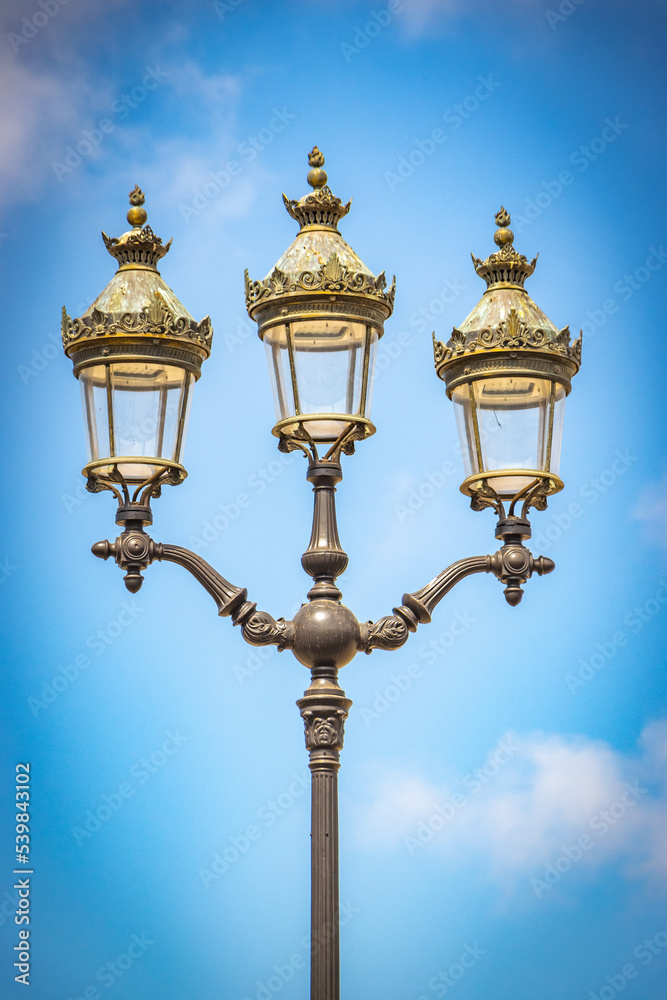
[53, 91]
[529, 802]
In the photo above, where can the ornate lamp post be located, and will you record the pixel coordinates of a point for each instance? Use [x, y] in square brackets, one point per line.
[320, 313]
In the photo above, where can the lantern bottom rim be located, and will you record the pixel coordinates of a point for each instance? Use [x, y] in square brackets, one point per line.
[294, 425]
[470, 485]
[108, 469]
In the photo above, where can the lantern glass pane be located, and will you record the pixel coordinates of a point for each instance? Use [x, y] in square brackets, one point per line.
[318, 366]
[510, 423]
[149, 409]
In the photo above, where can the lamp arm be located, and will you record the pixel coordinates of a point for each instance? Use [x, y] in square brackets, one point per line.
[513, 564]
[134, 550]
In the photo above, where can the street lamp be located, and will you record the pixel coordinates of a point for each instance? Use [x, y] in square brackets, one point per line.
[136, 352]
[320, 313]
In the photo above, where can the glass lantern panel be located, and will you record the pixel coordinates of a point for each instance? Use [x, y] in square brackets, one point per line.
[510, 423]
[325, 373]
[149, 405]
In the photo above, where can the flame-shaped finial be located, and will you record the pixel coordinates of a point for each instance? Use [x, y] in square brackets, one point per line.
[317, 177]
[503, 234]
[137, 215]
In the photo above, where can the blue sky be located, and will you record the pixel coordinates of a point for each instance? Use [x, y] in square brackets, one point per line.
[503, 801]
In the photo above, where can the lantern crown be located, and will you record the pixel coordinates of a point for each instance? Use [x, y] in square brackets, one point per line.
[506, 329]
[137, 302]
[319, 262]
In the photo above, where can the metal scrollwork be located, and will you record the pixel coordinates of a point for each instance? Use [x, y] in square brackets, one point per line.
[387, 633]
[512, 333]
[484, 495]
[154, 321]
[333, 276]
[261, 629]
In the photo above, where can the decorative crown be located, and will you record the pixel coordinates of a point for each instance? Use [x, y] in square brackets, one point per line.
[139, 247]
[506, 323]
[506, 266]
[320, 261]
[137, 303]
[321, 208]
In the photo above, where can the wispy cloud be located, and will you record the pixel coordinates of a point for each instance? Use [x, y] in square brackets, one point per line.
[545, 794]
[58, 98]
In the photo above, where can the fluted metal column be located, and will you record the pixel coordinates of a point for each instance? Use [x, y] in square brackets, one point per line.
[324, 708]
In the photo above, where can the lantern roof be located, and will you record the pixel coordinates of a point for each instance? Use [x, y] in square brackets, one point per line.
[506, 327]
[319, 262]
[137, 302]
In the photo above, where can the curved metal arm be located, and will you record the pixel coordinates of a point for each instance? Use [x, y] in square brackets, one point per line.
[134, 550]
[513, 564]
[393, 631]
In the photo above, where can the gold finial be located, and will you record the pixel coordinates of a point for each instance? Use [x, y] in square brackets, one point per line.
[137, 215]
[317, 177]
[503, 235]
